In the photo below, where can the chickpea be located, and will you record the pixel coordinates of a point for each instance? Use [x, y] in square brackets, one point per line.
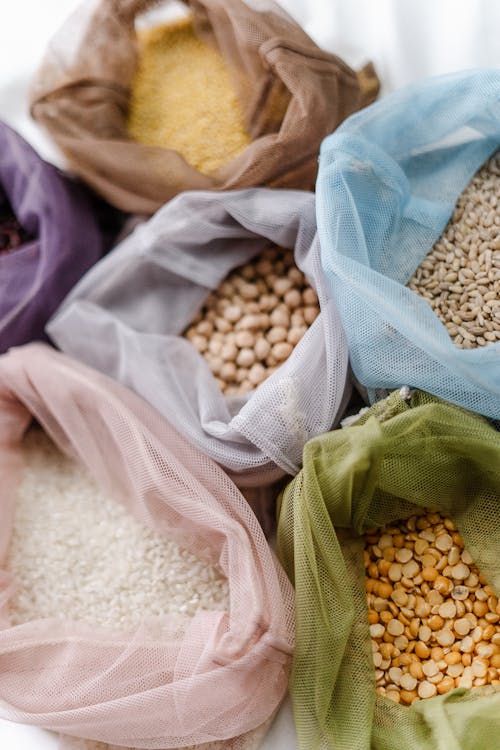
[250, 324]
[277, 334]
[293, 299]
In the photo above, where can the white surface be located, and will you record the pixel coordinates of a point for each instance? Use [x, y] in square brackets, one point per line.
[406, 40]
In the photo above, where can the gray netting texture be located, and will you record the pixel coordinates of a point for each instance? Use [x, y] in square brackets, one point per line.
[170, 681]
[292, 93]
[388, 182]
[399, 456]
[126, 316]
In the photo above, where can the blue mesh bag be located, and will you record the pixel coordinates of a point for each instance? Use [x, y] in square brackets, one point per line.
[388, 182]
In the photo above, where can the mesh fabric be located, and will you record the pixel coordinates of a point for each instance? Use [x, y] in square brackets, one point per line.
[399, 456]
[67, 240]
[125, 317]
[250, 741]
[387, 186]
[292, 94]
[169, 682]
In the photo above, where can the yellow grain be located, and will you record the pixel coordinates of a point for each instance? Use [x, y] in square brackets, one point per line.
[182, 98]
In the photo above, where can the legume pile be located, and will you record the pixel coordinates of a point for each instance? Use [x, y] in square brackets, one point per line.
[434, 621]
[460, 277]
[182, 98]
[12, 234]
[76, 553]
[249, 326]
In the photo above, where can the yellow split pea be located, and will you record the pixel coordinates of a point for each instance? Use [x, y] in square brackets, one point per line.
[182, 98]
[434, 621]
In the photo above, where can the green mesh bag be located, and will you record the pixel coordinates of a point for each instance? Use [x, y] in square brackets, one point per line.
[402, 453]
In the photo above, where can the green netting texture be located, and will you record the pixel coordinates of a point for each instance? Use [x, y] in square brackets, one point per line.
[401, 455]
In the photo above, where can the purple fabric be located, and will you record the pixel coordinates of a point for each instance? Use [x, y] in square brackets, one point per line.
[59, 214]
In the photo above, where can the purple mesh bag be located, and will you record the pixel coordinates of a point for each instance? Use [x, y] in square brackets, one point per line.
[60, 239]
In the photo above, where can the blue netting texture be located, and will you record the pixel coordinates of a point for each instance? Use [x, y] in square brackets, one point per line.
[388, 182]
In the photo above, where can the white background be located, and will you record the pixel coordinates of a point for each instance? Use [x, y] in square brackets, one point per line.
[406, 39]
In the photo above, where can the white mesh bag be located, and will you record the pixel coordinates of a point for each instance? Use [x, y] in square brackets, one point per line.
[126, 316]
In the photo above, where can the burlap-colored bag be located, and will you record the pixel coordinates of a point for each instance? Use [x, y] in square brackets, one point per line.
[293, 94]
[171, 681]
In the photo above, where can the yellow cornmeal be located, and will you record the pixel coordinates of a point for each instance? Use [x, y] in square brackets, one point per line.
[183, 98]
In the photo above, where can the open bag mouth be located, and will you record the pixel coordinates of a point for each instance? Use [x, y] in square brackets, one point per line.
[174, 490]
[339, 519]
[280, 76]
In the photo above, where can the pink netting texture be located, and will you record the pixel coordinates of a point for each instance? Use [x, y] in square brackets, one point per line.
[169, 682]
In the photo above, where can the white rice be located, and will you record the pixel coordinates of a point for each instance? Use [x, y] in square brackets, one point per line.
[76, 553]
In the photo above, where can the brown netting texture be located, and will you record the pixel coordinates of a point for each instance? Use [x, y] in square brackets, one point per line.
[170, 681]
[293, 94]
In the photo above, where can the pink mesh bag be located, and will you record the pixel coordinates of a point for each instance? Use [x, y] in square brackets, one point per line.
[169, 682]
[292, 94]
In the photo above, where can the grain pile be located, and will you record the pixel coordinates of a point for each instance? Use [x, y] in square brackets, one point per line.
[434, 621]
[249, 326]
[460, 278]
[76, 553]
[182, 98]
[12, 234]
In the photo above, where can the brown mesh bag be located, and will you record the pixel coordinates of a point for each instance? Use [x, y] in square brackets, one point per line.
[169, 681]
[293, 94]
